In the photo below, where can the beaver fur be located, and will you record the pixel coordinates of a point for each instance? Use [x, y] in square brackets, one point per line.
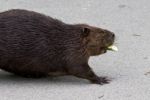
[36, 45]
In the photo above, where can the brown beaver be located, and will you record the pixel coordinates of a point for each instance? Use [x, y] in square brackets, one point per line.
[35, 45]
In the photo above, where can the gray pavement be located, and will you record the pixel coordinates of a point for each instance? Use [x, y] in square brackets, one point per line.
[129, 19]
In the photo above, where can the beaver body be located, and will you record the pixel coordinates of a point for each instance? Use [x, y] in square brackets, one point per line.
[35, 45]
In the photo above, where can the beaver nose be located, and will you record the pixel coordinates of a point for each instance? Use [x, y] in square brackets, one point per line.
[109, 34]
[113, 35]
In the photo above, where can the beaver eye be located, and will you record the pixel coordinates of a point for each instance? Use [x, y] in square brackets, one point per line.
[85, 32]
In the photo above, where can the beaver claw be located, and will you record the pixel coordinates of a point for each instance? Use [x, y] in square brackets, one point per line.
[101, 80]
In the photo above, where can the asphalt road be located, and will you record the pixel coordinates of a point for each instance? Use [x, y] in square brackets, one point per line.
[128, 19]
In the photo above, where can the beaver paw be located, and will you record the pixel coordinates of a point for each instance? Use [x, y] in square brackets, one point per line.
[101, 80]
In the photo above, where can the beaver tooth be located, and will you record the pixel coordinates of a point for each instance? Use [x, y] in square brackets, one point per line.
[112, 48]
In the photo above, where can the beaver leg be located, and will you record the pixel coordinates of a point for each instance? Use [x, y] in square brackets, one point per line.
[84, 71]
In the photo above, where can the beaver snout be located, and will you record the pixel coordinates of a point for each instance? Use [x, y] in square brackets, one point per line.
[109, 37]
[109, 34]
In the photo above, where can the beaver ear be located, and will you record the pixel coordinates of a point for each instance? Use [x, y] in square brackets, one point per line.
[85, 32]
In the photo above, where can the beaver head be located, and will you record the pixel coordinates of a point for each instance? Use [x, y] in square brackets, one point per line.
[97, 40]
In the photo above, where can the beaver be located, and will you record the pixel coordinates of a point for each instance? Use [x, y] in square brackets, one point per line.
[35, 45]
